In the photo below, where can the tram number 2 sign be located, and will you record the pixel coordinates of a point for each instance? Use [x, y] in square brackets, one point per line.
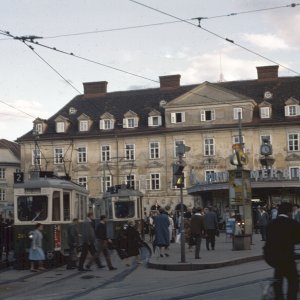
[19, 177]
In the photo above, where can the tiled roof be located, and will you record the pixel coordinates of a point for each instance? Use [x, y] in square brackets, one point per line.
[13, 147]
[142, 102]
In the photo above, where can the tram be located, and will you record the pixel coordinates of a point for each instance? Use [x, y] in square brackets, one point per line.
[49, 200]
[120, 204]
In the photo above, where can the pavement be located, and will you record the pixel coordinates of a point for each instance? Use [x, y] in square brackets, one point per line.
[223, 255]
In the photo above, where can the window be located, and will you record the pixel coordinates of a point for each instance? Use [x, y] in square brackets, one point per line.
[209, 147]
[56, 206]
[2, 173]
[292, 110]
[106, 124]
[58, 156]
[130, 181]
[293, 142]
[60, 127]
[154, 150]
[264, 112]
[130, 122]
[105, 153]
[66, 206]
[83, 125]
[294, 173]
[178, 117]
[154, 182]
[207, 115]
[177, 143]
[83, 181]
[265, 138]
[130, 152]
[39, 128]
[236, 112]
[124, 209]
[154, 121]
[236, 139]
[107, 182]
[32, 208]
[36, 157]
[2, 194]
[81, 155]
[210, 176]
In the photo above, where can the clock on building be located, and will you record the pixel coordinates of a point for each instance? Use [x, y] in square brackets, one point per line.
[266, 149]
[268, 95]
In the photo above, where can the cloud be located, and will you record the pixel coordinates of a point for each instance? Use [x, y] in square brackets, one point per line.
[266, 41]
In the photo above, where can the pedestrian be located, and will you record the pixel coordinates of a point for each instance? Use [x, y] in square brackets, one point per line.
[171, 228]
[73, 243]
[274, 211]
[88, 242]
[151, 226]
[211, 227]
[162, 239]
[102, 245]
[262, 221]
[36, 252]
[133, 242]
[281, 236]
[197, 230]
[296, 212]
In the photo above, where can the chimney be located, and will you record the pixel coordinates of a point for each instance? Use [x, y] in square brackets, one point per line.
[92, 89]
[169, 82]
[267, 73]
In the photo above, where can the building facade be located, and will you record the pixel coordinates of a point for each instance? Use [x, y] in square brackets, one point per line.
[103, 139]
[9, 164]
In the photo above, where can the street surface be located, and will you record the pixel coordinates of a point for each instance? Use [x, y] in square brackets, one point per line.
[243, 281]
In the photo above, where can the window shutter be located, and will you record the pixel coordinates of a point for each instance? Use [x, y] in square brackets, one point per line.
[202, 115]
[101, 124]
[150, 123]
[297, 110]
[112, 124]
[286, 110]
[183, 117]
[124, 123]
[213, 115]
[136, 122]
[159, 121]
[173, 117]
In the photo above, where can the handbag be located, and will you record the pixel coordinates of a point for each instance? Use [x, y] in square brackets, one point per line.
[178, 238]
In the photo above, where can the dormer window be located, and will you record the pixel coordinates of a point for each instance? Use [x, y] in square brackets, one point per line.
[38, 128]
[130, 120]
[83, 125]
[177, 117]
[60, 127]
[154, 118]
[207, 115]
[107, 121]
[292, 107]
[237, 113]
[264, 112]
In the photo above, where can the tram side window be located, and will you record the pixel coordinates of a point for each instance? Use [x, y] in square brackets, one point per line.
[76, 207]
[56, 206]
[83, 207]
[66, 203]
[32, 208]
[124, 209]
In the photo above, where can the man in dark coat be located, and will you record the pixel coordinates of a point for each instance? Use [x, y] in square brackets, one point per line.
[281, 236]
[211, 226]
[197, 230]
[162, 240]
[73, 243]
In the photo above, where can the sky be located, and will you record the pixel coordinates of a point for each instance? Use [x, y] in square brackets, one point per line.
[116, 41]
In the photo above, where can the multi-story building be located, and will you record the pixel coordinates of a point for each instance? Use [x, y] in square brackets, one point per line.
[102, 139]
[9, 164]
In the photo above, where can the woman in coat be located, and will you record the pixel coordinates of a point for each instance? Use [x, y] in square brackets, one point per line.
[133, 241]
[36, 252]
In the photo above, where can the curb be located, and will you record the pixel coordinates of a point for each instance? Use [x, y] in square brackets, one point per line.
[194, 267]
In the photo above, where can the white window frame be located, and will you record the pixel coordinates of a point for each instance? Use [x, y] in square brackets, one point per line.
[105, 153]
[130, 122]
[236, 139]
[60, 127]
[265, 136]
[39, 128]
[177, 117]
[153, 183]
[154, 150]
[58, 156]
[36, 157]
[265, 112]
[83, 125]
[81, 154]
[82, 180]
[293, 142]
[209, 147]
[292, 110]
[130, 181]
[106, 182]
[294, 171]
[207, 115]
[129, 152]
[2, 194]
[154, 121]
[106, 124]
[208, 177]
[236, 111]
[2, 173]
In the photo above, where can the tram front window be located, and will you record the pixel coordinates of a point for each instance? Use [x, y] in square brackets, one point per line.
[124, 209]
[32, 208]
